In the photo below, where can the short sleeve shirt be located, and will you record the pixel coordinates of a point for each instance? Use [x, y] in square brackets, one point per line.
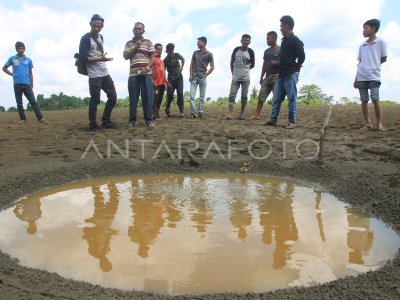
[241, 66]
[173, 66]
[369, 56]
[97, 68]
[158, 71]
[272, 54]
[141, 58]
[200, 61]
[21, 68]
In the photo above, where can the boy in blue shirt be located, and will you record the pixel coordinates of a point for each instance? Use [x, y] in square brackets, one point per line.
[23, 81]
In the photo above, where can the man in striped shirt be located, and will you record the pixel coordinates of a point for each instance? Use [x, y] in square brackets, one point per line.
[141, 53]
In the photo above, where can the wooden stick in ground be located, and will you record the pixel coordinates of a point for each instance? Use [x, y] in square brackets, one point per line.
[323, 131]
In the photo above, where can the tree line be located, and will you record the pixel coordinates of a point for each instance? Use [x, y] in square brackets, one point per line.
[310, 94]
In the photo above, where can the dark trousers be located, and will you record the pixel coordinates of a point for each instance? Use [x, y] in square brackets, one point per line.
[143, 86]
[95, 86]
[26, 89]
[177, 85]
[157, 99]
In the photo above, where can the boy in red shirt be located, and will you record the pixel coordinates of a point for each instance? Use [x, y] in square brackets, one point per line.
[159, 82]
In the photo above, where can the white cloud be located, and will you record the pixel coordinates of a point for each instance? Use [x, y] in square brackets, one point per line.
[217, 30]
[331, 32]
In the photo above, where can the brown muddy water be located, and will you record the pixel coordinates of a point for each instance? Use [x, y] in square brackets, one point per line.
[194, 234]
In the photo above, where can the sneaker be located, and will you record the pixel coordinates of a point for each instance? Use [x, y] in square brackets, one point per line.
[109, 125]
[157, 118]
[181, 115]
[22, 122]
[131, 124]
[269, 123]
[201, 114]
[167, 112]
[193, 116]
[242, 117]
[150, 124]
[43, 120]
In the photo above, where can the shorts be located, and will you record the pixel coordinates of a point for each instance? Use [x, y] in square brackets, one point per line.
[364, 86]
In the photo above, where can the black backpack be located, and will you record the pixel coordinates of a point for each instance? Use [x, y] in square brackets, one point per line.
[80, 65]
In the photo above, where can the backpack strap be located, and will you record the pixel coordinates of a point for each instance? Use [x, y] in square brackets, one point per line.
[99, 45]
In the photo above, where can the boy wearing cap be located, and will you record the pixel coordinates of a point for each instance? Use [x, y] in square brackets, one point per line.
[174, 63]
[23, 82]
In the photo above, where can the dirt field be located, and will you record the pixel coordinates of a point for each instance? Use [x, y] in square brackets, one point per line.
[361, 167]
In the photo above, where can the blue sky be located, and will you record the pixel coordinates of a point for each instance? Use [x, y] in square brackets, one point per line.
[331, 32]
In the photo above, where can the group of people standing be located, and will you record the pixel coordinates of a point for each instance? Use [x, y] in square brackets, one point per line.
[148, 79]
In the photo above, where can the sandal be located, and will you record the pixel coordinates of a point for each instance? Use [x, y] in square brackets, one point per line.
[290, 126]
[381, 129]
[366, 127]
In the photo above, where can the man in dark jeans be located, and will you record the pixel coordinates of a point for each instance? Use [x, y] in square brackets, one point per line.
[291, 60]
[23, 81]
[91, 51]
[174, 63]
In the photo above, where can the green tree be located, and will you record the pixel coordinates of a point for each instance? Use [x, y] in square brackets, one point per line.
[12, 109]
[2, 109]
[254, 93]
[312, 94]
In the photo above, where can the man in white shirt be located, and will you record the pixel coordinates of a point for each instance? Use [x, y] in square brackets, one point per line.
[372, 53]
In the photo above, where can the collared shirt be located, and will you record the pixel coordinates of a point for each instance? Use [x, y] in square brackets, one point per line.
[292, 55]
[369, 57]
[200, 61]
[141, 58]
[21, 67]
[158, 70]
[173, 66]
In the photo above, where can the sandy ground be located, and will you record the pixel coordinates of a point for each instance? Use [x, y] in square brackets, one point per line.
[361, 167]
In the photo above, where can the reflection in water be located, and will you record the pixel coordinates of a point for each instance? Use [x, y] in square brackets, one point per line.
[359, 238]
[241, 217]
[177, 234]
[100, 233]
[318, 199]
[276, 218]
[28, 210]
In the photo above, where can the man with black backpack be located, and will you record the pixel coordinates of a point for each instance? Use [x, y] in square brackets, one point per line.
[91, 52]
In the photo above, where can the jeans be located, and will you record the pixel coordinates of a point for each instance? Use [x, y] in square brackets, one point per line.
[285, 86]
[26, 89]
[140, 85]
[372, 85]
[95, 86]
[235, 85]
[178, 85]
[157, 99]
[202, 83]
